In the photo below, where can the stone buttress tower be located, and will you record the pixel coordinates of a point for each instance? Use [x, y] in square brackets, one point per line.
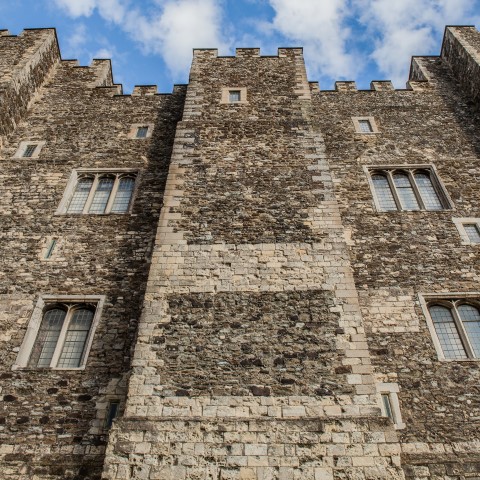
[251, 360]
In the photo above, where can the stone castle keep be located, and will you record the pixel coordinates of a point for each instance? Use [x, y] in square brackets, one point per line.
[249, 278]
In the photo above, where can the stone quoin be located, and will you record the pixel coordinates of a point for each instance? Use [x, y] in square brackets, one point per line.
[249, 278]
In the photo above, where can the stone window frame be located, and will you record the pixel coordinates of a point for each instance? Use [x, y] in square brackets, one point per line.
[25, 143]
[96, 172]
[445, 299]
[132, 134]
[35, 321]
[409, 169]
[392, 390]
[460, 222]
[371, 120]
[225, 98]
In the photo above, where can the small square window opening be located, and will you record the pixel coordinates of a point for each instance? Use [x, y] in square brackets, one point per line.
[389, 403]
[365, 126]
[469, 230]
[29, 151]
[473, 232]
[50, 248]
[234, 96]
[142, 132]
[112, 413]
[387, 406]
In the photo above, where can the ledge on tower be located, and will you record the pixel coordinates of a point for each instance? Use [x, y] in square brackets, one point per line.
[346, 86]
[247, 52]
[144, 90]
[290, 52]
[381, 85]
[205, 52]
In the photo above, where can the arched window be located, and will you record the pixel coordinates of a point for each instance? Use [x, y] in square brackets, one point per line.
[447, 332]
[124, 195]
[470, 317]
[47, 337]
[75, 338]
[457, 326]
[383, 192]
[102, 193]
[405, 192]
[427, 191]
[80, 195]
[62, 337]
[407, 189]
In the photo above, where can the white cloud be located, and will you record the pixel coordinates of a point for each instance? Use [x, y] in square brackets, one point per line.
[181, 26]
[77, 38]
[340, 37]
[77, 8]
[319, 26]
[170, 28]
[402, 28]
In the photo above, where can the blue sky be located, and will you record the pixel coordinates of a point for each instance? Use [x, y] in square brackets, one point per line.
[151, 41]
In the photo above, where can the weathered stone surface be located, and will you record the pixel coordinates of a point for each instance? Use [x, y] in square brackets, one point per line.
[255, 297]
[53, 421]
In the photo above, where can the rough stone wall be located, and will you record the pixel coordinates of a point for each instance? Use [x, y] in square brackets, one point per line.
[398, 255]
[25, 63]
[277, 298]
[251, 362]
[52, 421]
[461, 51]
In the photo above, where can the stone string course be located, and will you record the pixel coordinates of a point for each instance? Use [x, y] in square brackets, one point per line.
[255, 297]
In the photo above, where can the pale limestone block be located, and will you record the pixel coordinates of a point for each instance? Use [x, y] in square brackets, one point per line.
[288, 461]
[323, 474]
[353, 379]
[293, 411]
[237, 460]
[248, 474]
[333, 410]
[336, 450]
[256, 449]
[285, 473]
[258, 461]
[371, 450]
[340, 437]
[363, 461]
[6, 449]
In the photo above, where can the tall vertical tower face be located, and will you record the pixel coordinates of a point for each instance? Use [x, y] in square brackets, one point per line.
[251, 360]
[59, 121]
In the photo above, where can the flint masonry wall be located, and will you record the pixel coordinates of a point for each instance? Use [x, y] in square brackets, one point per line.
[398, 255]
[25, 63]
[52, 421]
[460, 50]
[251, 359]
[277, 297]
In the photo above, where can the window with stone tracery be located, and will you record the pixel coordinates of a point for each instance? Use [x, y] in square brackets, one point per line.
[407, 188]
[60, 332]
[99, 193]
[457, 327]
